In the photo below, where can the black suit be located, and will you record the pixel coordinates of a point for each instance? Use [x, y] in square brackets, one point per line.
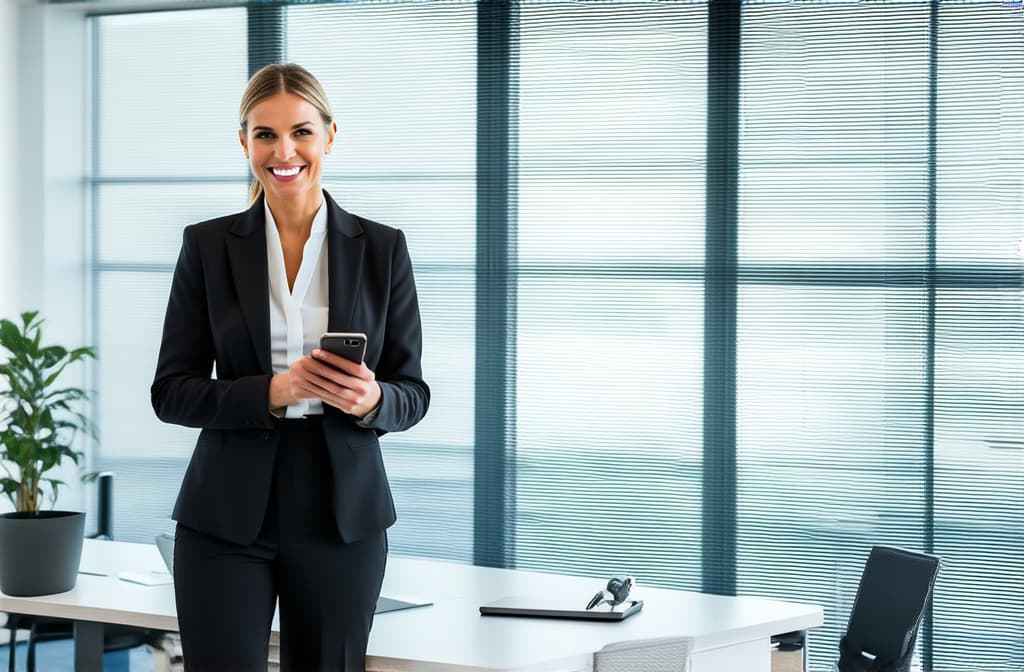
[218, 312]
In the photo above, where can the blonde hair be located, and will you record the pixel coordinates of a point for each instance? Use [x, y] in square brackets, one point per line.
[277, 78]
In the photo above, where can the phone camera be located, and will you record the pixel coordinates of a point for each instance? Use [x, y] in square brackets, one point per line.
[352, 342]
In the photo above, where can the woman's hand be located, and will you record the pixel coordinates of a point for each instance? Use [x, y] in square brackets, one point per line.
[336, 381]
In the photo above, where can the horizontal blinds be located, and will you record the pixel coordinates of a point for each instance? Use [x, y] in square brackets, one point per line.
[401, 78]
[873, 406]
[609, 319]
[166, 154]
[979, 339]
[879, 306]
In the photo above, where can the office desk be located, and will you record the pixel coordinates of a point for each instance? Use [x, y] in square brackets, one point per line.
[728, 633]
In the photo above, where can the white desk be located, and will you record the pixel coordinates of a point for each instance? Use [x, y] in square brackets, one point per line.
[728, 633]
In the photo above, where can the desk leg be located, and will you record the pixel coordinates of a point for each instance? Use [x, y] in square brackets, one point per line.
[88, 646]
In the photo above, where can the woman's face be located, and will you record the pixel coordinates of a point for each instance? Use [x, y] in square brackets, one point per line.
[285, 140]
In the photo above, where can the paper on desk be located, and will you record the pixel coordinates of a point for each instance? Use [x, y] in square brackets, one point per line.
[92, 572]
[146, 578]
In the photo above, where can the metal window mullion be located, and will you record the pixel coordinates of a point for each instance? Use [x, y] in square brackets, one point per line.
[494, 437]
[720, 285]
[266, 35]
[927, 634]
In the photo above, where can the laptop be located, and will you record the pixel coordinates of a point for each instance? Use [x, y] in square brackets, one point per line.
[165, 544]
[540, 606]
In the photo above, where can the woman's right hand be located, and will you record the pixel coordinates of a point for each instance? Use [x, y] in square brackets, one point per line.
[288, 389]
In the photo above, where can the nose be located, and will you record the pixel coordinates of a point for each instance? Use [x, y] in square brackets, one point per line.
[284, 148]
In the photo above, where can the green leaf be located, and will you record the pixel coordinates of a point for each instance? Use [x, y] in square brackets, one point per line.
[10, 336]
[37, 423]
[52, 355]
[81, 353]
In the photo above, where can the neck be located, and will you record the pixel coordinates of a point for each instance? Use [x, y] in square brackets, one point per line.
[295, 215]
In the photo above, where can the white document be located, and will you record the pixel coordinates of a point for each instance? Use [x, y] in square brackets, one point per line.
[147, 578]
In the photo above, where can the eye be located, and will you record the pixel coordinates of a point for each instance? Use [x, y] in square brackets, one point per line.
[303, 131]
[263, 135]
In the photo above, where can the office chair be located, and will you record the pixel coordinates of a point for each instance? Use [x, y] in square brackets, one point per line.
[668, 654]
[894, 590]
[44, 628]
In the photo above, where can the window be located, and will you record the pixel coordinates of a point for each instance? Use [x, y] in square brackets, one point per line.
[548, 161]
[165, 155]
[879, 313]
[401, 79]
[609, 289]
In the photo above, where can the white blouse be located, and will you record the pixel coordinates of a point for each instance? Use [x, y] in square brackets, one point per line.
[297, 318]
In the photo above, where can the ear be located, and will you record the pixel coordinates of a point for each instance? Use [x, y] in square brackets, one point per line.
[244, 142]
[331, 133]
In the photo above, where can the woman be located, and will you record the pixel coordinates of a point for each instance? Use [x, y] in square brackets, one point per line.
[285, 497]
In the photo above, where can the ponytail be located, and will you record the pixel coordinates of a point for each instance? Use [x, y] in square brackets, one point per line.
[255, 191]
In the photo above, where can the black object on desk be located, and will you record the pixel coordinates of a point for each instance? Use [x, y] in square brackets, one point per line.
[556, 607]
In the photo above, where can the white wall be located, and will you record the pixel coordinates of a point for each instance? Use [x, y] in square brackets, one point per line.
[43, 85]
[8, 169]
[9, 240]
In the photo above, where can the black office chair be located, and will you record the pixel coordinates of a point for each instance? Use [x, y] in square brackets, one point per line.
[44, 628]
[894, 591]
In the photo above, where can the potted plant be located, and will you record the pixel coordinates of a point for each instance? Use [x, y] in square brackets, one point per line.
[40, 550]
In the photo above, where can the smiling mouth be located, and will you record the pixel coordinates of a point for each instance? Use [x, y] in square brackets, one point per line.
[286, 172]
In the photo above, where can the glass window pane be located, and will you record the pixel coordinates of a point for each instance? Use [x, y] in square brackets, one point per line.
[979, 477]
[167, 93]
[980, 134]
[608, 368]
[401, 78]
[142, 223]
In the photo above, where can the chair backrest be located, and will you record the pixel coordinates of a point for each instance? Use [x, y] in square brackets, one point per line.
[667, 654]
[104, 506]
[895, 587]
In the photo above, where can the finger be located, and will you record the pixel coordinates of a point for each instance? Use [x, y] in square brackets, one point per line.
[326, 372]
[303, 391]
[347, 366]
[341, 402]
[318, 376]
[347, 388]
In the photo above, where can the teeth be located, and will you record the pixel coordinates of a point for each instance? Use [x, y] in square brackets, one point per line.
[285, 172]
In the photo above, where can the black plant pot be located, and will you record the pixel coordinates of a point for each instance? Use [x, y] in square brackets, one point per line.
[40, 552]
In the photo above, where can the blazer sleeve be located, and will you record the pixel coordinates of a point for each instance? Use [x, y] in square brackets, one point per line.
[405, 396]
[183, 392]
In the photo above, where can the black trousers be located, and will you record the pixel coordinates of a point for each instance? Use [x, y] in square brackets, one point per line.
[326, 589]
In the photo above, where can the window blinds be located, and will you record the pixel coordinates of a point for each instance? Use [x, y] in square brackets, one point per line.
[609, 328]
[879, 312]
[878, 316]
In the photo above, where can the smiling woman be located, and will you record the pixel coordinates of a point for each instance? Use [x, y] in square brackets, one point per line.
[286, 128]
[286, 499]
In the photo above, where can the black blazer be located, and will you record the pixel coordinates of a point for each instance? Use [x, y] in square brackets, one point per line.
[219, 311]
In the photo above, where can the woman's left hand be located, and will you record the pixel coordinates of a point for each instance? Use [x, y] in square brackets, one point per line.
[344, 384]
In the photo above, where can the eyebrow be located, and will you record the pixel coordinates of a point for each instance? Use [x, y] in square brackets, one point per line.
[268, 128]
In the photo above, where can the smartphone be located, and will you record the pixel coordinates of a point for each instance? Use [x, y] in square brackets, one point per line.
[351, 346]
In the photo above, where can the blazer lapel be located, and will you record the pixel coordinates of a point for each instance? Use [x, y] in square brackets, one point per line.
[247, 254]
[345, 263]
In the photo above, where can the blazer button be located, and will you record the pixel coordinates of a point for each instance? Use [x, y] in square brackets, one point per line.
[266, 436]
